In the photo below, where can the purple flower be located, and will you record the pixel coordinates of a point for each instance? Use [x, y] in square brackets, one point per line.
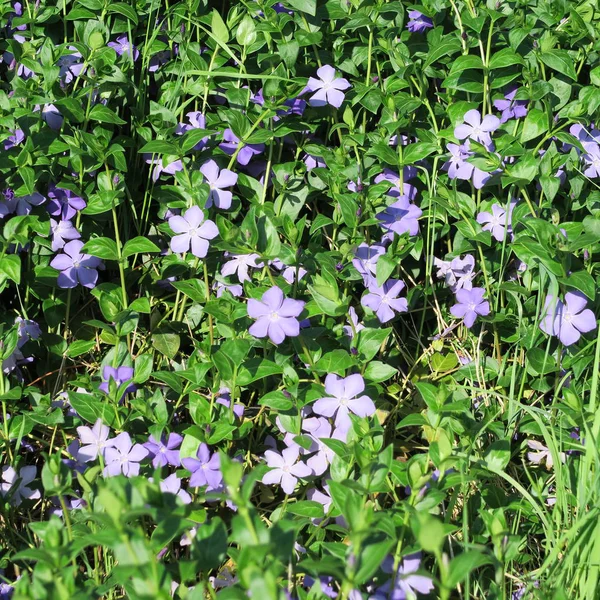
[16, 485]
[224, 399]
[70, 65]
[458, 167]
[123, 457]
[197, 121]
[235, 289]
[342, 400]
[384, 301]
[399, 186]
[52, 116]
[365, 260]
[26, 330]
[240, 263]
[62, 232]
[6, 590]
[470, 303]
[322, 455]
[231, 143]
[15, 139]
[407, 583]
[64, 203]
[476, 128]
[95, 440]
[163, 451]
[592, 160]
[457, 273]
[172, 166]
[122, 45]
[8, 204]
[567, 320]
[24, 204]
[285, 469]
[289, 273]
[120, 376]
[400, 217]
[312, 162]
[349, 330]
[325, 585]
[541, 454]
[328, 89]
[205, 470]
[418, 22]
[172, 485]
[498, 221]
[76, 268]
[193, 231]
[511, 108]
[275, 316]
[218, 181]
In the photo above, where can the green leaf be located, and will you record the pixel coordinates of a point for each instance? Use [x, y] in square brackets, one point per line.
[10, 267]
[306, 508]
[246, 31]
[218, 27]
[416, 152]
[465, 563]
[448, 46]
[307, 6]
[462, 63]
[336, 361]
[506, 57]
[582, 281]
[378, 371]
[123, 9]
[139, 245]
[560, 61]
[90, 408]
[79, 347]
[536, 123]
[166, 343]
[103, 114]
[370, 341]
[102, 248]
[255, 369]
[159, 147]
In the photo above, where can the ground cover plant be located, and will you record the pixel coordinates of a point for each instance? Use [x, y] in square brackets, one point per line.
[299, 299]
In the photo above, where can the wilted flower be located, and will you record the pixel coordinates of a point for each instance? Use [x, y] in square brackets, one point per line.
[328, 89]
[16, 485]
[193, 231]
[218, 180]
[286, 469]
[123, 456]
[470, 303]
[418, 22]
[567, 320]
[384, 301]
[76, 268]
[275, 315]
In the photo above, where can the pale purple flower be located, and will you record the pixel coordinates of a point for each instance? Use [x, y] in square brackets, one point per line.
[399, 186]
[8, 204]
[94, 440]
[224, 399]
[407, 583]
[225, 579]
[120, 376]
[14, 140]
[275, 316]
[541, 454]
[567, 320]
[193, 231]
[205, 469]
[172, 485]
[52, 116]
[172, 166]
[400, 217]
[476, 128]
[218, 180]
[235, 289]
[123, 457]
[457, 166]
[326, 585]
[498, 222]
[240, 263]
[321, 454]
[26, 330]
[418, 22]
[164, 451]
[122, 45]
[64, 203]
[365, 260]
[384, 301]
[289, 273]
[312, 162]
[70, 65]
[196, 121]
[511, 108]
[344, 398]
[17, 485]
[457, 273]
[592, 160]
[231, 143]
[328, 89]
[352, 318]
[285, 469]
[62, 232]
[76, 268]
[470, 303]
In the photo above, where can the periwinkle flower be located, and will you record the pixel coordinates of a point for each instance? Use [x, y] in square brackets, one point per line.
[62, 232]
[224, 399]
[70, 65]
[567, 320]
[94, 440]
[122, 45]
[406, 582]
[470, 304]
[384, 301]
[76, 268]
[196, 121]
[240, 263]
[326, 585]
[399, 186]
[328, 89]
[286, 469]
[205, 469]
[193, 231]
[476, 128]
[64, 203]
[123, 456]
[15, 139]
[498, 222]
[218, 180]
[17, 484]
[289, 273]
[22, 205]
[457, 273]
[365, 260]
[511, 108]
[172, 166]
[275, 316]
[541, 454]
[172, 485]
[120, 376]
[591, 159]
[312, 162]
[418, 22]
[52, 116]
[355, 327]
[400, 217]
[164, 451]
[344, 398]
[231, 143]
[235, 289]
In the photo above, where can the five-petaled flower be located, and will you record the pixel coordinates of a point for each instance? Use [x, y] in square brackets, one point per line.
[218, 180]
[120, 376]
[470, 303]
[205, 469]
[418, 22]
[75, 267]
[328, 89]
[499, 221]
[476, 128]
[401, 217]
[164, 451]
[192, 231]
[384, 301]
[569, 319]
[275, 316]
[511, 108]
[123, 456]
[286, 469]
[16, 485]
[94, 440]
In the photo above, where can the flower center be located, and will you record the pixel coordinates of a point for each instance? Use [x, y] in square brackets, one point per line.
[472, 306]
[193, 232]
[274, 316]
[75, 263]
